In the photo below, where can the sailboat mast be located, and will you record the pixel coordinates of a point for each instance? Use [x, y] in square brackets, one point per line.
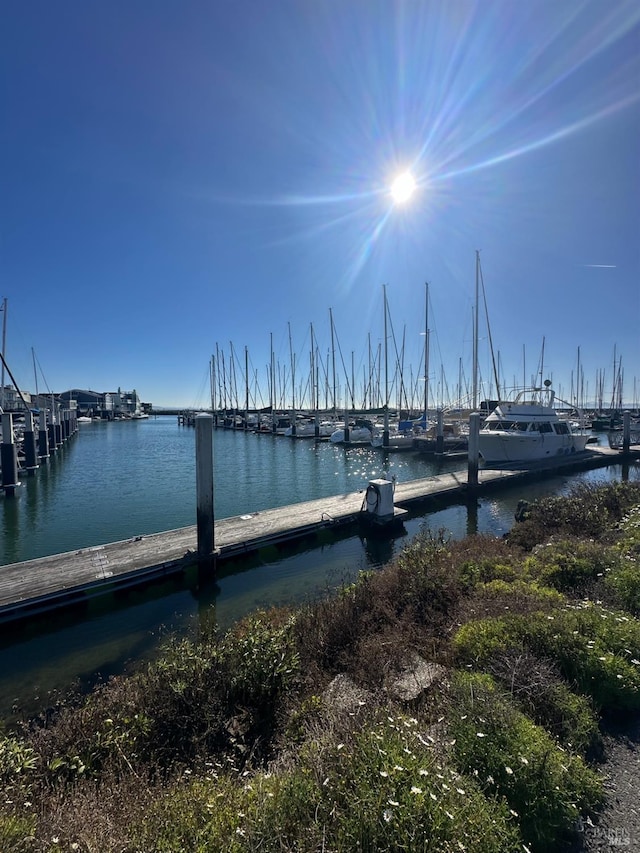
[4, 349]
[35, 372]
[333, 365]
[293, 373]
[246, 385]
[386, 357]
[272, 380]
[475, 334]
[385, 429]
[426, 353]
[212, 383]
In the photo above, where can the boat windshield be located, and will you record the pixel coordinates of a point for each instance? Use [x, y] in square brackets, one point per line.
[508, 426]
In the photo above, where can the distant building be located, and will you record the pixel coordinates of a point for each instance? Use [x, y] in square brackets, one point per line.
[10, 399]
[108, 405]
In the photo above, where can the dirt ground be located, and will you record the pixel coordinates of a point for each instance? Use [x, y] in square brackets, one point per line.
[619, 826]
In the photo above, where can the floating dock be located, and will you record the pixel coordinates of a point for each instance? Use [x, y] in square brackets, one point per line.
[37, 586]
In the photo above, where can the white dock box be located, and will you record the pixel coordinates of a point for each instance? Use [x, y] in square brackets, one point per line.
[379, 500]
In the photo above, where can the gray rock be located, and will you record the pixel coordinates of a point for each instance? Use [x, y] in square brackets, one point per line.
[417, 676]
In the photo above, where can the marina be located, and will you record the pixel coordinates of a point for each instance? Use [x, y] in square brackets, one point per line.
[130, 482]
[43, 584]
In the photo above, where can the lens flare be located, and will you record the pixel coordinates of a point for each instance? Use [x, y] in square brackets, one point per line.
[403, 188]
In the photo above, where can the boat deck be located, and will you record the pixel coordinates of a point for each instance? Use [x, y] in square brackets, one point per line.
[43, 584]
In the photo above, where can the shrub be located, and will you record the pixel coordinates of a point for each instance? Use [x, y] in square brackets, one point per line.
[569, 717]
[535, 686]
[588, 510]
[16, 832]
[260, 659]
[392, 791]
[547, 787]
[16, 758]
[624, 584]
[382, 788]
[478, 642]
[381, 615]
[570, 565]
[520, 595]
[595, 649]
[473, 573]
[624, 580]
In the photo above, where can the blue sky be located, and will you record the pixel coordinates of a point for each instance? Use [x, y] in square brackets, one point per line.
[181, 178]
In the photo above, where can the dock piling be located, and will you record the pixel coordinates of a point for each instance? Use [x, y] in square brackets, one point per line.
[440, 433]
[204, 488]
[473, 450]
[626, 432]
[43, 437]
[29, 439]
[9, 456]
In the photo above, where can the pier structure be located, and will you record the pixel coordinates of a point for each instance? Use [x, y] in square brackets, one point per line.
[44, 584]
[40, 436]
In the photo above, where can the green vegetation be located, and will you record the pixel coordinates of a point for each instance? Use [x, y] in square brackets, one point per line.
[452, 701]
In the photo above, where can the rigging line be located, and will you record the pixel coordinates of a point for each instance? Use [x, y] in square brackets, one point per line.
[346, 375]
[42, 374]
[397, 375]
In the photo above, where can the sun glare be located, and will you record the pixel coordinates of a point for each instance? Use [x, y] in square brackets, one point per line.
[403, 188]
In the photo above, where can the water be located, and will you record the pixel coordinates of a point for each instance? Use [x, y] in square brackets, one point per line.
[116, 480]
[121, 479]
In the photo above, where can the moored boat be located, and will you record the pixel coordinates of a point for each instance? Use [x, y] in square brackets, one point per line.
[360, 432]
[527, 430]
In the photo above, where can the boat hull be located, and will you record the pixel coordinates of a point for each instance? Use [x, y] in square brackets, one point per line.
[357, 435]
[396, 442]
[499, 446]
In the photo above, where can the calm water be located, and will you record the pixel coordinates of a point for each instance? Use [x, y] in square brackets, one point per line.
[118, 480]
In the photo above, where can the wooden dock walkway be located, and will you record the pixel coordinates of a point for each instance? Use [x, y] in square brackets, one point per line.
[43, 584]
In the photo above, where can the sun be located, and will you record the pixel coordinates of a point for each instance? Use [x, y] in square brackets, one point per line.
[403, 188]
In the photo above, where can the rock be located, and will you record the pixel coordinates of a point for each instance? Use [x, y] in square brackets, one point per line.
[417, 676]
[342, 694]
